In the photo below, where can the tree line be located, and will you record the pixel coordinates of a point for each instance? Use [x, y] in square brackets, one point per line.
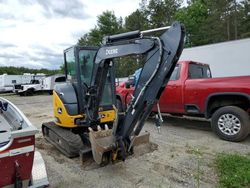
[206, 22]
[21, 70]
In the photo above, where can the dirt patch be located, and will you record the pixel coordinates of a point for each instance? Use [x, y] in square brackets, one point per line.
[87, 162]
[42, 144]
[42, 116]
[171, 159]
[144, 149]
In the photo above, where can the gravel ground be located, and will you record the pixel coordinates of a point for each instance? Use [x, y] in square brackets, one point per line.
[181, 155]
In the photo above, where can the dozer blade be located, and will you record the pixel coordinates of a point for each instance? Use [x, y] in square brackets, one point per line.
[143, 138]
[102, 142]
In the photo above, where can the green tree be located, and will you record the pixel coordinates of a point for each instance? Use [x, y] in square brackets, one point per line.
[194, 17]
[107, 24]
[136, 21]
[21, 70]
[62, 69]
[161, 12]
[212, 21]
[220, 18]
[84, 40]
[206, 22]
[244, 22]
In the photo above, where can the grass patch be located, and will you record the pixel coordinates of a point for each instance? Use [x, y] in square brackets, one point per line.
[233, 170]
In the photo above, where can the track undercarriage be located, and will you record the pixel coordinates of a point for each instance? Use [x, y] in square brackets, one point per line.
[100, 142]
[64, 140]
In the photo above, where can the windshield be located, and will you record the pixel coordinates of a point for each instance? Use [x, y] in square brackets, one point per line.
[86, 59]
[70, 64]
[86, 63]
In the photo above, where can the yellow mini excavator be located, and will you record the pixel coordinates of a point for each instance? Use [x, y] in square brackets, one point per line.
[86, 118]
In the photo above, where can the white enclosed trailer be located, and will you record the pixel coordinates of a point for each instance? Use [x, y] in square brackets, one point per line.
[8, 81]
[225, 59]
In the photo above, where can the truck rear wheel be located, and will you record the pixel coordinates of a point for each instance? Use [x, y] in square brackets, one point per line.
[231, 123]
[28, 92]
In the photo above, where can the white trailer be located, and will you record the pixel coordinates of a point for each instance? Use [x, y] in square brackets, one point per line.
[43, 84]
[8, 81]
[225, 59]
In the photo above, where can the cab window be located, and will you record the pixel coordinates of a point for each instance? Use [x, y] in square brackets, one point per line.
[70, 64]
[176, 73]
[196, 71]
[86, 60]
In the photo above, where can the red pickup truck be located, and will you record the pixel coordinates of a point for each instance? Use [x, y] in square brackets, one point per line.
[192, 91]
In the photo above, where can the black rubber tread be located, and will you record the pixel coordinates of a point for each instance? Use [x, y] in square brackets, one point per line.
[241, 115]
[63, 139]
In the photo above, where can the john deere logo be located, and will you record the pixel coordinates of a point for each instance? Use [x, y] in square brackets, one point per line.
[111, 51]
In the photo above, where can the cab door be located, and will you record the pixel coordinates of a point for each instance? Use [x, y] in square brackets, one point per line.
[171, 98]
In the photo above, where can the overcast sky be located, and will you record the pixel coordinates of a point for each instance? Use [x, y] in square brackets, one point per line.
[34, 33]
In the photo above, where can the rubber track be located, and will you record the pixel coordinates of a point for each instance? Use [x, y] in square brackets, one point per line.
[63, 139]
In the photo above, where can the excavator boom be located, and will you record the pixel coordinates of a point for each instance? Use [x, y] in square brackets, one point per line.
[162, 54]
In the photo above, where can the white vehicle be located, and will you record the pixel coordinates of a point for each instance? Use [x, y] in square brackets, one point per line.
[8, 81]
[27, 79]
[44, 84]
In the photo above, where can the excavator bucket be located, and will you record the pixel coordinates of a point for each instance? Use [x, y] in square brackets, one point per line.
[101, 144]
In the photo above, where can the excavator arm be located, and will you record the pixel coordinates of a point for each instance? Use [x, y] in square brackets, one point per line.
[103, 61]
[162, 54]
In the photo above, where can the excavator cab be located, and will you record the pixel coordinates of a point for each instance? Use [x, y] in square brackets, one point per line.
[79, 63]
[69, 130]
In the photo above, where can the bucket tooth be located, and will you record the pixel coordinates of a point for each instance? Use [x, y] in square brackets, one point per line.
[99, 128]
[106, 127]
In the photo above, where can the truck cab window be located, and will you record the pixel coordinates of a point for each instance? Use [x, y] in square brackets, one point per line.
[34, 82]
[196, 71]
[176, 73]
